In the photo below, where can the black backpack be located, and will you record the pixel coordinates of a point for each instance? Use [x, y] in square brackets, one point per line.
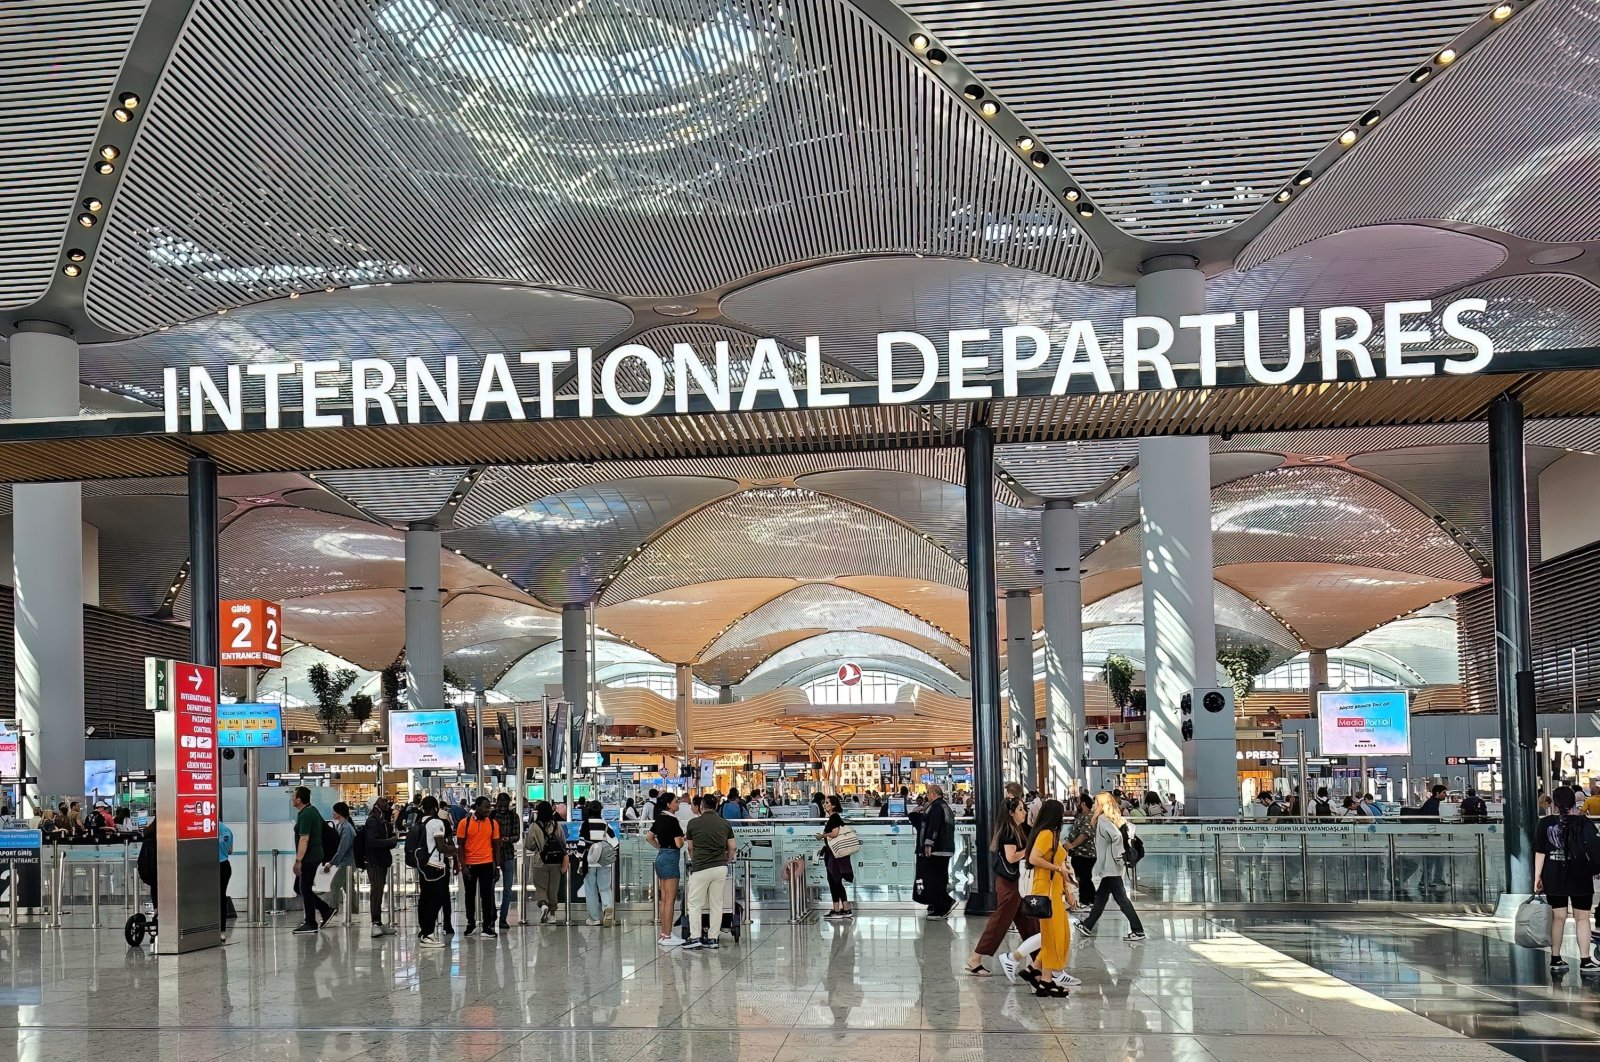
[330, 840]
[416, 840]
[360, 848]
[1132, 848]
[554, 849]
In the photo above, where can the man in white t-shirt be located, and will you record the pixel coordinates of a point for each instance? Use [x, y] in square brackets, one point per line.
[433, 893]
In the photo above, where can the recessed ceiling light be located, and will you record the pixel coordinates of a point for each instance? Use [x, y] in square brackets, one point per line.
[1071, 195]
[988, 109]
[1421, 75]
[1285, 195]
[1370, 119]
[1039, 159]
[1085, 210]
[1446, 57]
[1304, 178]
[110, 152]
[129, 100]
[1347, 138]
[1501, 13]
[93, 204]
[72, 270]
[1024, 143]
[76, 255]
[936, 56]
[121, 114]
[919, 42]
[86, 220]
[973, 93]
[103, 168]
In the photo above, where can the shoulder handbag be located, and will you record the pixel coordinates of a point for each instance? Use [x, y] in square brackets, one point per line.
[846, 842]
[1533, 923]
[1038, 904]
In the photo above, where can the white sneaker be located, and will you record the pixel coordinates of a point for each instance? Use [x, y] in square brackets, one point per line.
[1067, 980]
[591, 922]
[670, 942]
[608, 918]
[377, 932]
[1008, 966]
[430, 942]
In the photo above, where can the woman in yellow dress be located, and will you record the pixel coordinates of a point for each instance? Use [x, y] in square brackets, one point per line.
[1051, 878]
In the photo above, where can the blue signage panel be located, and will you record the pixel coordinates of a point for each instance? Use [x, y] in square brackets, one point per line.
[250, 726]
[20, 847]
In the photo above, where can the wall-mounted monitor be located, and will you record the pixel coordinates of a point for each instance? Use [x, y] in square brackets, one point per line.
[427, 739]
[1365, 723]
[250, 726]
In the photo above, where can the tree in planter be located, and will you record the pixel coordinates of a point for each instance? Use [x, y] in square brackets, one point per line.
[361, 708]
[329, 687]
[1242, 664]
[389, 686]
[1118, 677]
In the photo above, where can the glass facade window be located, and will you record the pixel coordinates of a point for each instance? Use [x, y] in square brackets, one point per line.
[664, 684]
[1296, 675]
[875, 687]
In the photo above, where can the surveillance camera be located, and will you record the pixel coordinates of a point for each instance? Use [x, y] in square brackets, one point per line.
[1227, 436]
[88, 731]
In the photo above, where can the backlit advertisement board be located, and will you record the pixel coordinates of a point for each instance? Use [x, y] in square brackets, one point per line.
[427, 739]
[1364, 723]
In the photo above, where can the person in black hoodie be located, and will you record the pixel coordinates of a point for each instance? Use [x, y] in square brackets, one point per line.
[378, 840]
[936, 844]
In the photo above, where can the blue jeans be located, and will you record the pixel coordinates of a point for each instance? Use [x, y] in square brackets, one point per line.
[597, 890]
[508, 878]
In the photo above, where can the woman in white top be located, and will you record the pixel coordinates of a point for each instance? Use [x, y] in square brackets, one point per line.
[1110, 827]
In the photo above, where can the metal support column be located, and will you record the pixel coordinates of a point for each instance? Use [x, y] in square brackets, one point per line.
[1063, 648]
[205, 623]
[1508, 488]
[1024, 729]
[988, 725]
[424, 624]
[683, 698]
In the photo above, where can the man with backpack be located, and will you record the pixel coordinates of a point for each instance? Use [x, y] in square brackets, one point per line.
[375, 854]
[1473, 808]
[310, 844]
[429, 851]
[506, 855]
[479, 835]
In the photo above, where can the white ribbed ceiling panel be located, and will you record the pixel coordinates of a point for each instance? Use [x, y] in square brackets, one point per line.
[1505, 139]
[398, 495]
[1184, 117]
[60, 62]
[640, 147]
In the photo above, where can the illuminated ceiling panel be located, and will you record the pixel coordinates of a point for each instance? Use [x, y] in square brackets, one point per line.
[1330, 604]
[677, 624]
[645, 150]
[563, 547]
[785, 534]
[365, 627]
[1437, 157]
[1427, 645]
[1238, 618]
[1184, 120]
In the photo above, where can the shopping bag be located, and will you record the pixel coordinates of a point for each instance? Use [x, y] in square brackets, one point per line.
[1532, 925]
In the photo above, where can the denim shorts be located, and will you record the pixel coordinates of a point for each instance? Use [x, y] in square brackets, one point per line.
[667, 864]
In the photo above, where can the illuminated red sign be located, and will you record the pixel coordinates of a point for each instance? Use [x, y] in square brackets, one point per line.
[194, 708]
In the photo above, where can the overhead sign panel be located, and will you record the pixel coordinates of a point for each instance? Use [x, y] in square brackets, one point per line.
[425, 739]
[1369, 723]
[252, 634]
[250, 726]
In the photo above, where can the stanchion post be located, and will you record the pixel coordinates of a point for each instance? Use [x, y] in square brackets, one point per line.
[15, 885]
[94, 893]
[56, 876]
[567, 871]
[127, 883]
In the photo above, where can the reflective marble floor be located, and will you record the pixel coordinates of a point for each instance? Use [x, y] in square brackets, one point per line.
[889, 988]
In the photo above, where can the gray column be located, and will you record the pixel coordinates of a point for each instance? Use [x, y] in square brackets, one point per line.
[1024, 745]
[988, 726]
[724, 694]
[47, 568]
[1175, 519]
[1063, 648]
[575, 658]
[1317, 677]
[1508, 489]
[424, 623]
[683, 698]
[205, 590]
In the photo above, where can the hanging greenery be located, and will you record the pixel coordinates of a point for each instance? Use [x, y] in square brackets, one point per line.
[329, 688]
[1118, 677]
[1243, 663]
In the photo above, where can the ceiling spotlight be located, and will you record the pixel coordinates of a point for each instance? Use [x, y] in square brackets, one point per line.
[129, 100]
[1304, 178]
[919, 42]
[1024, 143]
[936, 56]
[294, 294]
[1370, 119]
[973, 93]
[988, 109]
[1071, 195]
[93, 204]
[1421, 75]
[72, 270]
[121, 114]
[1347, 138]
[1501, 13]
[103, 168]
[222, 312]
[329, 290]
[1039, 159]
[76, 255]
[1085, 210]
[1285, 195]
[110, 152]
[87, 220]
[1446, 57]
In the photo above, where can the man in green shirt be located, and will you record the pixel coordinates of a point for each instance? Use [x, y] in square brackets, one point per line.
[307, 857]
[709, 842]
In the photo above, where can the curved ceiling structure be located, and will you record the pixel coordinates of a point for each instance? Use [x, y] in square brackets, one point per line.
[457, 182]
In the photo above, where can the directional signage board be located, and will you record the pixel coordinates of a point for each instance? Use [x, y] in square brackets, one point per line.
[250, 726]
[21, 847]
[188, 812]
[252, 634]
[195, 719]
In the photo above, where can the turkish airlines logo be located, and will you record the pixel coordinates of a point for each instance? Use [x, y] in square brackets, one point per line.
[850, 674]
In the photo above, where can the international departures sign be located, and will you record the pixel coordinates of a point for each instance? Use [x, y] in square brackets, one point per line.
[371, 391]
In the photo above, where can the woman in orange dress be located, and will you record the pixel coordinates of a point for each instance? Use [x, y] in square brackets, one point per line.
[1051, 878]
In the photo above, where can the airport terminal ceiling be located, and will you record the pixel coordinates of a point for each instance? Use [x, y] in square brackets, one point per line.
[443, 184]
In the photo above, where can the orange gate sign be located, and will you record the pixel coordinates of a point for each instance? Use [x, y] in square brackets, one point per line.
[252, 634]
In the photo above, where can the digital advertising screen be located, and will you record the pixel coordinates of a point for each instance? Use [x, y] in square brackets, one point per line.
[1370, 723]
[250, 726]
[428, 739]
[10, 753]
[100, 778]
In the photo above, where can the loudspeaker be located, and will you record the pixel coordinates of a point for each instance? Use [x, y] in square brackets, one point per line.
[1099, 743]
